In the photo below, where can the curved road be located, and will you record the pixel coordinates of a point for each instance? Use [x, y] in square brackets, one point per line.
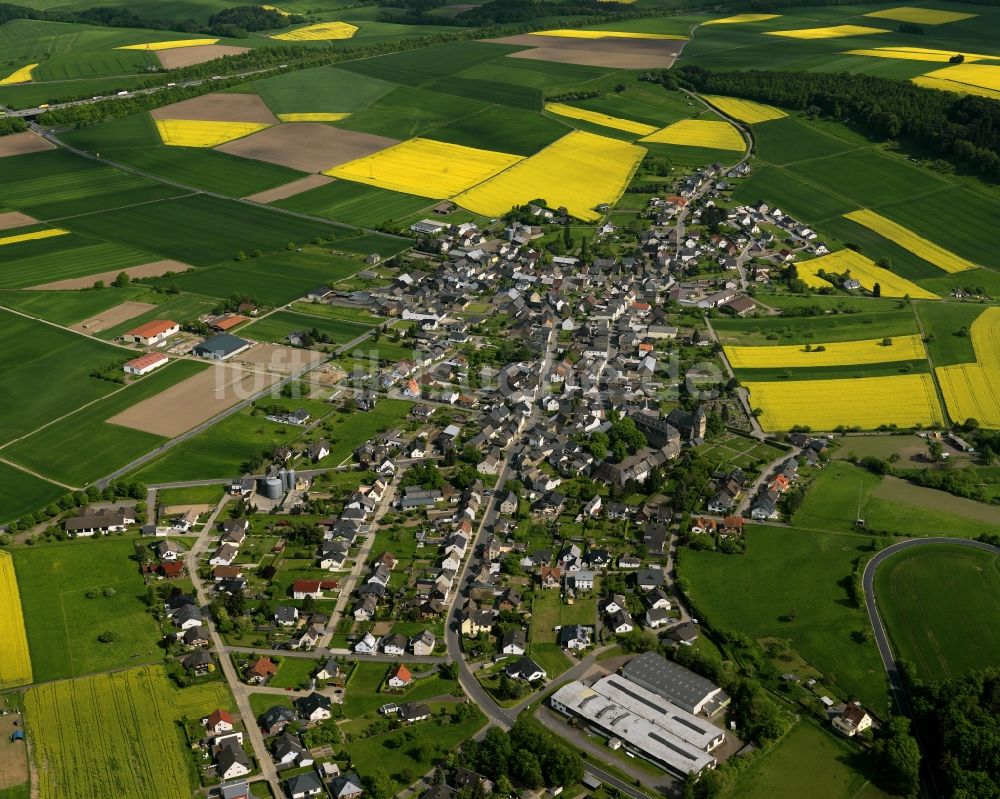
[881, 639]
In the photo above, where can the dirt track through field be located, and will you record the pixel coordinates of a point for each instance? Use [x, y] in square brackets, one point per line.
[894, 489]
[189, 56]
[218, 107]
[153, 269]
[22, 143]
[13, 219]
[617, 53]
[193, 401]
[307, 146]
[112, 316]
[289, 189]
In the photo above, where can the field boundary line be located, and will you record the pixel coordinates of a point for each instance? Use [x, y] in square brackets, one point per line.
[122, 207]
[26, 470]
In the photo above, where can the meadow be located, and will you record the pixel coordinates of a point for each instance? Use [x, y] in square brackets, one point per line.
[271, 279]
[277, 326]
[67, 307]
[65, 257]
[354, 203]
[934, 601]
[115, 734]
[65, 359]
[82, 447]
[865, 324]
[63, 622]
[792, 584]
[320, 89]
[22, 493]
[15, 666]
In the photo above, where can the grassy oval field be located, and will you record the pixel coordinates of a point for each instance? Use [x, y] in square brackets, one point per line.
[939, 605]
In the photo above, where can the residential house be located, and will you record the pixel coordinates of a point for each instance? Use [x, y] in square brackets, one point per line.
[524, 668]
[621, 622]
[314, 707]
[304, 785]
[330, 670]
[574, 636]
[582, 580]
[231, 761]
[476, 621]
[346, 786]
[199, 662]
[367, 645]
[276, 718]
[286, 615]
[657, 617]
[648, 579]
[423, 644]
[218, 722]
[400, 677]
[550, 576]
[288, 750]
[852, 720]
[513, 642]
[261, 670]
[394, 645]
[411, 712]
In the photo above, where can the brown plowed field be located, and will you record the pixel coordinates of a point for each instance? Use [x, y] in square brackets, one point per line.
[22, 143]
[154, 269]
[290, 189]
[13, 219]
[618, 53]
[193, 401]
[189, 56]
[307, 146]
[219, 107]
[113, 316]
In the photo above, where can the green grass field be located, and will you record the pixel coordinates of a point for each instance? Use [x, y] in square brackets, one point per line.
[355, 203]
[508, 130]
[64, 359]
[407, 111]
[793, 584]
[22, 493]
[935, 602]
[83, 447]
[67, 307]
[277, 326]
[42, 261]
[943, 321]
[195, 495]
[63, 623]
[321, 89]
[790, 769]
[97, 719]
[834, 372]
[271, 279]
[294, 673]
[887, 321]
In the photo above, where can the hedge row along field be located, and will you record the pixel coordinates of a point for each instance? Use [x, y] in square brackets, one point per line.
[868, 403]
[842, 353]
[972, 390]
[112, 734]
[15, 664]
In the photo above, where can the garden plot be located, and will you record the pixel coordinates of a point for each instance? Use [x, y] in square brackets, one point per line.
[193, 401]
[307, 146]
[154, 269]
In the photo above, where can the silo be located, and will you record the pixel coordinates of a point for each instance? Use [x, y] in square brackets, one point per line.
[283, 476]
[290, 485]
[272, 488]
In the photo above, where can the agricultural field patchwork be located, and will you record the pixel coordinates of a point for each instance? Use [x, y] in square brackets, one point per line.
[745, 110]
[716, 135]
[862, 269]
[908, 240]
[169, 44]
[15, 665]
[972, 390]
[981, 79]
[841, 353]
[868, 402]
[426, 168]
[554, 174]
[84, 730]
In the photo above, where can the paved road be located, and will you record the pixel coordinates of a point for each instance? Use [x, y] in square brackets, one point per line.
[881, 639]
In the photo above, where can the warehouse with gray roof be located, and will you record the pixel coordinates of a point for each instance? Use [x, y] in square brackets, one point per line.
[676, 684]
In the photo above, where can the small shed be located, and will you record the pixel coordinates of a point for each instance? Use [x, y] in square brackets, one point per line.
[17, 735]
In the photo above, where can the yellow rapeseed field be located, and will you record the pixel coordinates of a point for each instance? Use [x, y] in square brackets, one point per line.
[168, 45]
[579, 171]
[204, 133]
[867, 402]
[575, 33]
[322, 30]
[917, 54]
[15, 664]
[973, 389]
[715, 134]
[953, 86]
[908, 240]
[38, 234]
[744, 110]
[920, 16]
[315, 116]
[832, 32]
[834, 353]
[22, 75]
[970, 77]
[737, 19]
[863, 270]
[599, 119]
[426, 168]
[278, 10]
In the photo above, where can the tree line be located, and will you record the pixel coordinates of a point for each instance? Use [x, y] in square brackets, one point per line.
[10, 125]
[962, 129]
[502, 12]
